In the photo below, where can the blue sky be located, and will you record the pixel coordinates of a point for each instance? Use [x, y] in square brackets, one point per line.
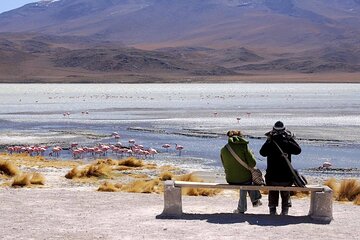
[6, 5]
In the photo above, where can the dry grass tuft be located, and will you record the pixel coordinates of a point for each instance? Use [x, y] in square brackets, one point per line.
[95, 170]
[357, 200]
[8, 168]
[141, 186]
[123, 168]
[131, 162]
[107, 161]
[168, 168]
[73, 173]
[189, 178]
[109, 187]
[37, 161]
[164, 176]
[201, 191]
[196, 191]
[349, 189]
[101, 170]
[133, 175]
[22, 180]
[301, 194]
[333, 184]
[38, 179]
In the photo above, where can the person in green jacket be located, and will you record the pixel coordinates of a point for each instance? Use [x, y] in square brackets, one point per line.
[237, 174]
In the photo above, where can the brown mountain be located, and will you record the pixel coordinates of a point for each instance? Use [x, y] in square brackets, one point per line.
[86, 39]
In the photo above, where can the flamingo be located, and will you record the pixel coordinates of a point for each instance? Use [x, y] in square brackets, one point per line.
[166, 146]
[327, 165]
[56, 151]
[215, 114]
[238, 119]
[132, 141]
[152, 152]
[179, 148]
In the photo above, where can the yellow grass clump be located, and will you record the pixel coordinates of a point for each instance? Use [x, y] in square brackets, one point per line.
[301, 194]
[188, 178]
[196, 191]
[164, 176]
[107, 161]
[357, 200]
[133, 175]
[201, 191]
[22, 180]
[37, 161]
[141, 186]
[95, 170]
[349, 189]
[168, 168]
[38, 179]
[109, 187]
[8, 168]
[334, 185]
[131, 162]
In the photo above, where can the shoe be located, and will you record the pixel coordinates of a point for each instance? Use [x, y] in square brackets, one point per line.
[257, 203]
[273, 211]
[285, 211]
[237, 211]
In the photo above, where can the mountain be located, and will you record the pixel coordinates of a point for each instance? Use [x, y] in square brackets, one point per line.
[211, 23]
[183, 37]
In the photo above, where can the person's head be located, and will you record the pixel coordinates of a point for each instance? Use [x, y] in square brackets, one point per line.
[233, 133]
[279, 126]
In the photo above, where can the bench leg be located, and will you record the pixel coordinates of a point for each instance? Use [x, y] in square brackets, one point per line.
[172, 200]
[321, 205]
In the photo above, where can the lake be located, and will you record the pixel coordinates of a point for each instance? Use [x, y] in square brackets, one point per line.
[324, 117]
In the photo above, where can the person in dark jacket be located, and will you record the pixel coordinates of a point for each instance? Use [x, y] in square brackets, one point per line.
[236, 173]
[278, 172]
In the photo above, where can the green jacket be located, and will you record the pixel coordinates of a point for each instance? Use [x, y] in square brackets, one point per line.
[234, 171]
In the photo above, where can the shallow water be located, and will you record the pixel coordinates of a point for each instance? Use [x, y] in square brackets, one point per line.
[324, 117]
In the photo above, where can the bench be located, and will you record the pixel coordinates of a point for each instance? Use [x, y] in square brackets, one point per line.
[321, 199]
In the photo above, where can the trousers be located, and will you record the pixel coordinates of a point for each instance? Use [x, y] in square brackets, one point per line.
[255, 195]
[274, 195]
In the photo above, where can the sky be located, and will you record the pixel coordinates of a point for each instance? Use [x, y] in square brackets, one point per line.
[6, 5]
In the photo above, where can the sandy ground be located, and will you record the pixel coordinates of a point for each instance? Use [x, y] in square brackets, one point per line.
[78, 214]
[66, 209]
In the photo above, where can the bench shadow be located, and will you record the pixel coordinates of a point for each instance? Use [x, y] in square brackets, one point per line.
[252, 219]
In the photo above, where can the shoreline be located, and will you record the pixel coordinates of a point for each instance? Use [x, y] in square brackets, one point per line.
[142, 78]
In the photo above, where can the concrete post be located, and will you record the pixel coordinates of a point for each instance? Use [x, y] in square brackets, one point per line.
[172, 200]
[321, 205]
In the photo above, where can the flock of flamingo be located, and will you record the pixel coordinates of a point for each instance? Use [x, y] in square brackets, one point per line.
[100, 150]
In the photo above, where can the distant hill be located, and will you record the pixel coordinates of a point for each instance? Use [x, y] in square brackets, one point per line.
[78, 39]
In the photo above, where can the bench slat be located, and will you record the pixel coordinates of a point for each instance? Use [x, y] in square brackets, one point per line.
[310, 188]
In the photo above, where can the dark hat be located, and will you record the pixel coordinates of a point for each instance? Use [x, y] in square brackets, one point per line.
[279, 126]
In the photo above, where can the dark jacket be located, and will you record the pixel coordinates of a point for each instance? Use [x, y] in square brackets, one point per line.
[277, 168]
[234, 171]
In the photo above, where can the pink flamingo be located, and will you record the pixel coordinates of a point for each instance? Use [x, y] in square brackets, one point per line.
[327, 165]
[132, 141]
[56, 151]
[238, 119]
[166, 146]
[152, 152]
[179, 148]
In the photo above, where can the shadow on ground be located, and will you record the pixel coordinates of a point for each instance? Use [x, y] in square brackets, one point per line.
[252, 219]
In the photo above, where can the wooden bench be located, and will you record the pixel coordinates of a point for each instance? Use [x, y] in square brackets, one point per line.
[321, 203]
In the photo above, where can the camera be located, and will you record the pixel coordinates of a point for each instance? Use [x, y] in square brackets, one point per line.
[284, 133]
